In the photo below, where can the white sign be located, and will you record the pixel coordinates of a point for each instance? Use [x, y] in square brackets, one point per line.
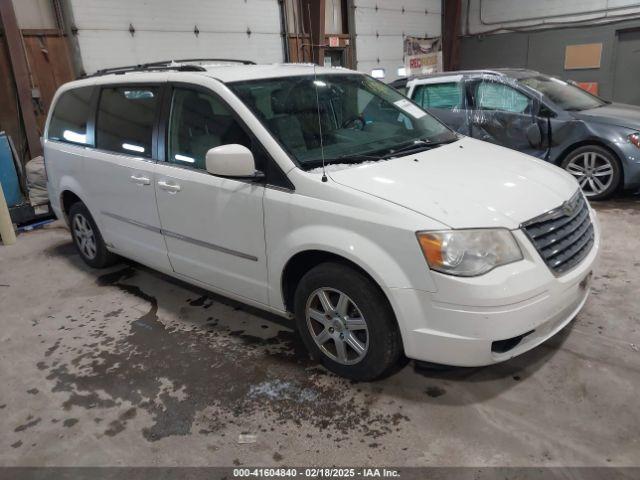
[408, 107]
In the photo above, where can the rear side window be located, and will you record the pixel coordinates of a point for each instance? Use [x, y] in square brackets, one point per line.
[70, 116]
[125, 119]
[439, 95]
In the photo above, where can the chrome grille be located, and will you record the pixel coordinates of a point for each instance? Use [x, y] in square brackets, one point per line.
[563, 236]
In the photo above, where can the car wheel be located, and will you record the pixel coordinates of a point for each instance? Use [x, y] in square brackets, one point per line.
[597, 171]
[87, 238]
[346, 322]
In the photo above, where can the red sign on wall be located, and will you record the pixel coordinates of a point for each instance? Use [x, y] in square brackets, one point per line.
[591, 87]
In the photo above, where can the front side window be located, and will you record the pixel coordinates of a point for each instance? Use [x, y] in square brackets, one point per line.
[70, 116]
[566, 96]
[498, 96]
[198, 122]
[348, 117]
[439, 95]
[125, 119]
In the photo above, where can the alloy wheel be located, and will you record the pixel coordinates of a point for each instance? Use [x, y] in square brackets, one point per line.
[85, 237]
[337, 326]
[594, 172]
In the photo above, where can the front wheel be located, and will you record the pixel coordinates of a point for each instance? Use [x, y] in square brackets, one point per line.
[597, 171]
[346, 322]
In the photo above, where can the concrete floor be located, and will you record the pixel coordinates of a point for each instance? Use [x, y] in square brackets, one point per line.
[129, 367]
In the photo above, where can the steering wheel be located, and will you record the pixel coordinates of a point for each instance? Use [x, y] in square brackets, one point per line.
[354, 123]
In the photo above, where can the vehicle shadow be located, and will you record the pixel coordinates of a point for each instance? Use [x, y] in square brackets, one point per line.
[470, 385]
[623, 201]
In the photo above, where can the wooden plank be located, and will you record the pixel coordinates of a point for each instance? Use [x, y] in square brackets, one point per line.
[9, 113]
[20, 71]
[50, 64]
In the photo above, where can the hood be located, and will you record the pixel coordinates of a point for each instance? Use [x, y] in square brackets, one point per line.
[619, 114]
[466, 184]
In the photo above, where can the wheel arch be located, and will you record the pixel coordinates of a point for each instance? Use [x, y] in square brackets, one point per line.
[70, 192]
[68, 198]
[301, 262]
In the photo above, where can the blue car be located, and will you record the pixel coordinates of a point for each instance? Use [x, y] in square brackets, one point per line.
[593, 139]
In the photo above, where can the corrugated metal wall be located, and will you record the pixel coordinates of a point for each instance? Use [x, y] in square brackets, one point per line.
[380, 27]
[164, 29]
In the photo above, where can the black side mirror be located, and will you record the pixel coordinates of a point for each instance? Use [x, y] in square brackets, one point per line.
[534, 135]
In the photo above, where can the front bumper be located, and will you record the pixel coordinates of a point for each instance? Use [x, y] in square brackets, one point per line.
[522, 302]
[630, 156]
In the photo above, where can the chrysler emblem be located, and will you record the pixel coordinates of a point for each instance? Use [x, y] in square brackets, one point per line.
[568, 208]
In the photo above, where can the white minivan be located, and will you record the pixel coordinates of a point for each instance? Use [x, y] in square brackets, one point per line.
[326, 196]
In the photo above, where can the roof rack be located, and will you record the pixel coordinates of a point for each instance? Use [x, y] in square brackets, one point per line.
[146, 67]
[182, 65]
[223, 60]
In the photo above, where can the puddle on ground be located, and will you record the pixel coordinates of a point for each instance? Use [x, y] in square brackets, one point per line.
[198, 374]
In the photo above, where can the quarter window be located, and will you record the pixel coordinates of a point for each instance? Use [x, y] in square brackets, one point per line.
[200, 121]
[69, 119]
[439, 95]
[498, 96]
[125, 119]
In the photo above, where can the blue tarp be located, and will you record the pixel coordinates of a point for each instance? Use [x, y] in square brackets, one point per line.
[8, 174]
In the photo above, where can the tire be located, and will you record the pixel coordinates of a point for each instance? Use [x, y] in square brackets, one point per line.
[87, 238]
[367, 322]
[596, 169]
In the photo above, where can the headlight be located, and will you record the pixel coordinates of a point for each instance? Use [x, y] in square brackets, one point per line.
[467, 253]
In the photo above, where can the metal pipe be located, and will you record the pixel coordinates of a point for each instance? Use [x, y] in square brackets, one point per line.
[284, 30]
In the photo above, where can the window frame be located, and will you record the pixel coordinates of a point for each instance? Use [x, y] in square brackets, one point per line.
[156, 117]
[90, 130]
[274, 176]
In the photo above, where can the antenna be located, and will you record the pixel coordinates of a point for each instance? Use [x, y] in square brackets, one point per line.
[315, 84]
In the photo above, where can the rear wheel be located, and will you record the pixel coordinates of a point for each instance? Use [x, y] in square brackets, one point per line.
[346, 322]
[596, 169]
[87, 238]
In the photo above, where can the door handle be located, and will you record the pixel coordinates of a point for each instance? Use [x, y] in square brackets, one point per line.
[169, 187]
[139, 180]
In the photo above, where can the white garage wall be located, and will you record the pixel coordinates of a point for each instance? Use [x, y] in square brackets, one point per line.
[380, 26]
[164, 29]
[492, 15]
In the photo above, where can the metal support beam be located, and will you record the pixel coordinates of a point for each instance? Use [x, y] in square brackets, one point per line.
[451, 13]
[20, 70]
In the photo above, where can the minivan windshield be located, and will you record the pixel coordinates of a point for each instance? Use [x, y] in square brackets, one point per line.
[566, 96]
[353, 117]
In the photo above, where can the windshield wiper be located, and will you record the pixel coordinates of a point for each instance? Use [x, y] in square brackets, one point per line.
[359, 157]
[417, 145]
